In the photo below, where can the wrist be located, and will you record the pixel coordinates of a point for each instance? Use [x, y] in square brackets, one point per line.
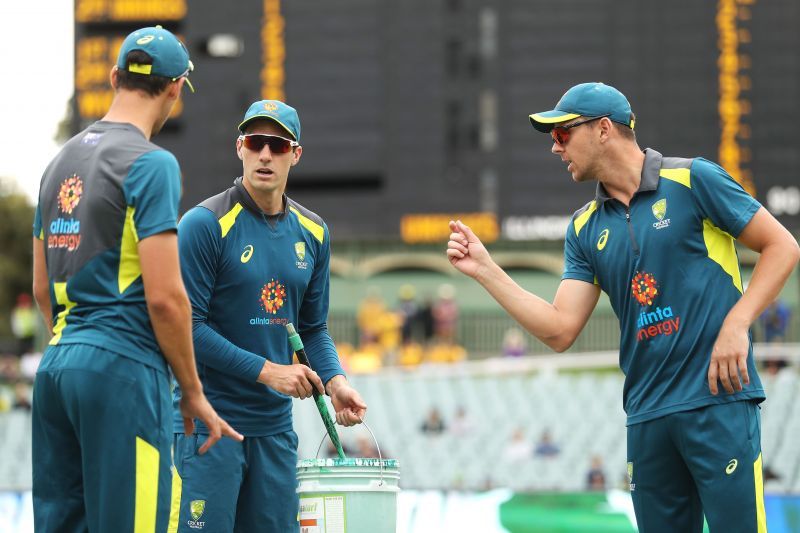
[334, 384]
[193, 388]
[263, 375]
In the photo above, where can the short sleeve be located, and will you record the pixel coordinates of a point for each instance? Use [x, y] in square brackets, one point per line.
[38, 230]
[153, 190]
[576, 264]
[720, 198]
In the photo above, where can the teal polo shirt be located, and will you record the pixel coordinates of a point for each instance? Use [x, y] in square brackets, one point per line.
[670, 268]
[107, 189]
[248, 274]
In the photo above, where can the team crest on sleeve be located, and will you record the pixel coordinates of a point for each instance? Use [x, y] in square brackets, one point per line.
[300, 252]
[660, 211]
[65, 231]
[196, 510]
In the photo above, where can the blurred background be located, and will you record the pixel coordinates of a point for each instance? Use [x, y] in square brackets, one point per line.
[414, 113]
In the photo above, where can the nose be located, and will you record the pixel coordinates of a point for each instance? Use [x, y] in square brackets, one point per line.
[556, 148]
[265, 154]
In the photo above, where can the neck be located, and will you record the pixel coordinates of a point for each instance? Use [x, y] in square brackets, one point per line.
[621, 173]
[136, 109]
[270, 203]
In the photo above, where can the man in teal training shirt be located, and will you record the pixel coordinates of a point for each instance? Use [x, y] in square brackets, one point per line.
[659, 239]
[106, 276]
[254, 260]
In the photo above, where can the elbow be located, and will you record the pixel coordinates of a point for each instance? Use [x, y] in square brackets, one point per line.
[167, 306]
[560, 343]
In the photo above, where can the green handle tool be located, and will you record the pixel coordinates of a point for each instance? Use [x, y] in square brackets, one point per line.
[297, 346]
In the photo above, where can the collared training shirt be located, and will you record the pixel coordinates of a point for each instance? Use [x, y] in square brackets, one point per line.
[248, 275]
[106, 190]
[670, 268]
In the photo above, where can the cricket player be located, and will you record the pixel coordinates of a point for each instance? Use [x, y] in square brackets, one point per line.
[658, 238]
[254, 260]
[107, 281]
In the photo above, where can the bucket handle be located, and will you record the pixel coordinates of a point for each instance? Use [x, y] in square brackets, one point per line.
[377, 446]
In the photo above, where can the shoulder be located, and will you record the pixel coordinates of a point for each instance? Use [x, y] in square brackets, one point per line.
[309, 220]
[582, 216]
[157, 156]
[219, 204]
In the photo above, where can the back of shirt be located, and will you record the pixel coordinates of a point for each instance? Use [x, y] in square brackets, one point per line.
[106, 190]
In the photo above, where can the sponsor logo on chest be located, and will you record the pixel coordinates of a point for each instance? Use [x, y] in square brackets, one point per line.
[300, 253]
[650, 322]
[660, 211]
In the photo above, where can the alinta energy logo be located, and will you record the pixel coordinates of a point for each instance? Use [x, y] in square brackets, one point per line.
[271, 298]
[65, 231]
[655, 322]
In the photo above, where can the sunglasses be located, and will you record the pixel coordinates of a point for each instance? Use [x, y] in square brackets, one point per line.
[560, 134]
[277, 145]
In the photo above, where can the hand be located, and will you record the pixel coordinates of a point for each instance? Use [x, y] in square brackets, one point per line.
[465, 250]
[728, 359]
[350, 408]
[195, 405]
[298, 381]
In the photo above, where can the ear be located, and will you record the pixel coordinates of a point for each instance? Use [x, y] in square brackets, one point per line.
[239, 149]
[297, 153]
[112, 76]
[175, 88]
[605, 128]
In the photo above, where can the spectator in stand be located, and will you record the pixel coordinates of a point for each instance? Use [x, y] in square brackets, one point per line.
[445, 314]
[22, 396]
[23, 324]
[461, 426]
[775, 321]
[518, 448]
[408, 309]
[514, 344]
[546, 447]
[433, 425]
[596, 476]
[370, 311]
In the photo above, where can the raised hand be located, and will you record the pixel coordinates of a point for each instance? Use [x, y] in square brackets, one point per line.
[465, 250]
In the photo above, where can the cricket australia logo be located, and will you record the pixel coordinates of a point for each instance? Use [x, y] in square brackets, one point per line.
[660, 211]
[300, 252]
[196, 509]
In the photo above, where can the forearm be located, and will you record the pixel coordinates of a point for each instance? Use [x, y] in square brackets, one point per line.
[217, 352]
[538, 316]
[171, 320]
[770, 274]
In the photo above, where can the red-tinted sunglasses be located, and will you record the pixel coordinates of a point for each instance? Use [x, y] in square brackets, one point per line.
[560, 134]
[277, 145]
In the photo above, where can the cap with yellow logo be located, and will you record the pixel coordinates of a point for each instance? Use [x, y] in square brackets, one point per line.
[170, 56]
[275, 110]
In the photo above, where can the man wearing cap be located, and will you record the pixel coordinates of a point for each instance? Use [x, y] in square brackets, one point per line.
[658, 238]
[107, 281]
[254, 260]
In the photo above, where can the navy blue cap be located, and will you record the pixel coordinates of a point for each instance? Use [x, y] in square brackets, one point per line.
[275, 110]
[587, 100]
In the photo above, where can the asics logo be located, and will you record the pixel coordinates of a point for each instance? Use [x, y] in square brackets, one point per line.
[731, 468]
[247, 254]
[601, 242]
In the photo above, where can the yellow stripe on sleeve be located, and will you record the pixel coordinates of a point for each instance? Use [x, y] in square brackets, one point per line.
[583, 218]
[679, 175]
[129, 266]
[146, 506]
[721, 250]
[316, 230]
[227, 220]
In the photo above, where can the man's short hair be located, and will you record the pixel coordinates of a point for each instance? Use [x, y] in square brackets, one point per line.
[626, 132]
[152, 85]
